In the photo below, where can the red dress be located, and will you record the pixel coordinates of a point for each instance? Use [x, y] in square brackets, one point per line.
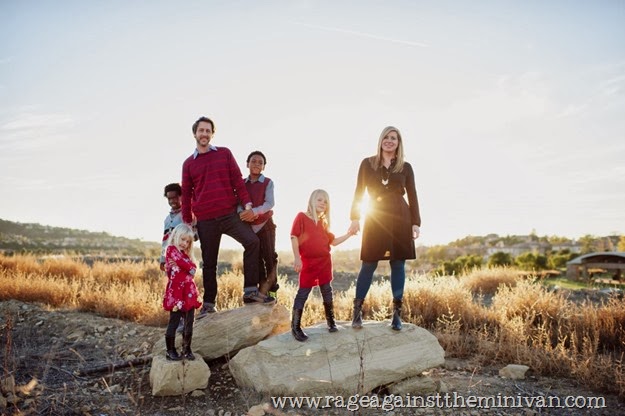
[181, 293]
[314, 249]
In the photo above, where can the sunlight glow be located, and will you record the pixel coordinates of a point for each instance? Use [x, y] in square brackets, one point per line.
[364, 207]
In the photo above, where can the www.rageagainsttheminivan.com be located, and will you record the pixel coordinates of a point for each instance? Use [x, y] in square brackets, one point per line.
[438, 400]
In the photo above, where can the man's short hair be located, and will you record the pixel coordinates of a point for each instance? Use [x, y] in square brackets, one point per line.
[256, 152]
[173, 187]
[201, 119]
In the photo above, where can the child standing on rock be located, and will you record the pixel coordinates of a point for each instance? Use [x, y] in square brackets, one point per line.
[181, 295]
[311, 240]
[261, 192]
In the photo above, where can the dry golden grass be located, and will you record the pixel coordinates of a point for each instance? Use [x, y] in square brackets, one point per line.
[524, 322]
[486, 281]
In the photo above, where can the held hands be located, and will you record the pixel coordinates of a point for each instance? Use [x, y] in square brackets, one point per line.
[415, 232]
[354, 228]
[247, 215]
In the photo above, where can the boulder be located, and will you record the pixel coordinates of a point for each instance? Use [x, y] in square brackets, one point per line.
[175, 378]
[345, 362]
[223, 333]
[514, 371]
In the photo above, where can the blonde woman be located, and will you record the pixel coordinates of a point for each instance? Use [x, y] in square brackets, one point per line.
[392, 221]
[311, 240]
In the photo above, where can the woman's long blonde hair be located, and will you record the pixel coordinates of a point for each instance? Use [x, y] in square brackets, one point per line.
[180, 231]
[312, 211]
[376, 161]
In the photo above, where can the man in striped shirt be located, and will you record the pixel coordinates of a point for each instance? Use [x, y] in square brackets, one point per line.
[212, 188]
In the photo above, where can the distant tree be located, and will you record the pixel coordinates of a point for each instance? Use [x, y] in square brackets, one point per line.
[603, 244]
[470, 261]
[588, 243]
[559, 259]
[448, 268]
[459, 265]
[621, 243]
[468, 241]
[554, 239]
[438, 254]
[500, 259]
[530, 261]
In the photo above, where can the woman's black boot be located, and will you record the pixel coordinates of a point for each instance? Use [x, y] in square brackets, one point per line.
[357, 314]
[396, 321]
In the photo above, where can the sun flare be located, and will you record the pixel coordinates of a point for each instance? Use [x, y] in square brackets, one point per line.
[364, 207]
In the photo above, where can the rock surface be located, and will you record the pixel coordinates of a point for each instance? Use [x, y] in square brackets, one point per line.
[173, 378]
[346, 362]
[223, 333]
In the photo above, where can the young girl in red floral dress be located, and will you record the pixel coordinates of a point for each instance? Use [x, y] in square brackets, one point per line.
[181, 295]
[311, 240]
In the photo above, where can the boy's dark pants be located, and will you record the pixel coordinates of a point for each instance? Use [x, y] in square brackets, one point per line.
[268, 259]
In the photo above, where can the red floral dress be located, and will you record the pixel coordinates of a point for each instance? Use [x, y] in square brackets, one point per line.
[314, 250]
[181, 293]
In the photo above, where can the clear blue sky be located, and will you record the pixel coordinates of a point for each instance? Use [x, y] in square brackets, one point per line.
[512, 112]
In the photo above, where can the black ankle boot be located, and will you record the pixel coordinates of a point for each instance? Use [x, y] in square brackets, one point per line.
[170, 345]
[296, 326]
[187, 354]
[357, 314]
[396, 321]
[329, 310]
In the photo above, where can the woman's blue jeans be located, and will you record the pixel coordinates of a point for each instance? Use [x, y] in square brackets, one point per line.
[365, 277]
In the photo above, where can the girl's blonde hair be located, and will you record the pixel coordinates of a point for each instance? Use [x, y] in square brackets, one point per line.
[376, 161]
[312, 211]
[179, 232]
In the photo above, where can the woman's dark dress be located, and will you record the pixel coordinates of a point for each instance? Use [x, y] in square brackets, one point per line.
[387, 232]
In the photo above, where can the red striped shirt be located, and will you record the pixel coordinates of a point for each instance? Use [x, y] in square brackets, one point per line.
[212, 185]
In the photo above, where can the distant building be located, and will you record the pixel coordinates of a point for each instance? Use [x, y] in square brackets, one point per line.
[520, 248]
[610, 261]
[571, 247]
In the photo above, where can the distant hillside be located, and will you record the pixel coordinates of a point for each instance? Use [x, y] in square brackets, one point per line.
[37, 238]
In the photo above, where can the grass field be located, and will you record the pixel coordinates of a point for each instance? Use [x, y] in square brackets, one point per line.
[493, 315]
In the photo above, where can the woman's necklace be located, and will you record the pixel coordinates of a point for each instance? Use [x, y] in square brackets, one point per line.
[386, 173]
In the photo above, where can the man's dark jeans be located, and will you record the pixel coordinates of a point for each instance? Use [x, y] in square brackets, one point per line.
[210, 232]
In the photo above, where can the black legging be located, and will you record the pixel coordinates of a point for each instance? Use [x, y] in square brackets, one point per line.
[174, 320]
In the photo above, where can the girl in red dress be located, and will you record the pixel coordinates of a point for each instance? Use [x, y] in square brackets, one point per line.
[181, 295]
[311, 240]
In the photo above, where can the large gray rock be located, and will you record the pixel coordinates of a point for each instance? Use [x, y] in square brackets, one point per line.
[346, 362]
[223, 333]
[174, 378]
